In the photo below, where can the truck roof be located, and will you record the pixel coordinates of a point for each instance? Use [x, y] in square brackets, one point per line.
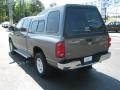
[63, 7]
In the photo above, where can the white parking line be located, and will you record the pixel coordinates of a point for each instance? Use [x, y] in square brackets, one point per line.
[116, 42]
[116, 48]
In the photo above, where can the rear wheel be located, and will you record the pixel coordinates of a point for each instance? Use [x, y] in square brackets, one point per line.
[116, 30]
[88, 67]
[41, 65]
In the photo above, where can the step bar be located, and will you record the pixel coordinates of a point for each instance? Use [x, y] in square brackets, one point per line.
[22, 53]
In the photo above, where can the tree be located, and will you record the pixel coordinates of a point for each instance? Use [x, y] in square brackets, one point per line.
[28, 8]
[36, 7]
[3, 11]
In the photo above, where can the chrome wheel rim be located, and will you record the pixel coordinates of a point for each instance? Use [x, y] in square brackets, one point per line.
[39, 65]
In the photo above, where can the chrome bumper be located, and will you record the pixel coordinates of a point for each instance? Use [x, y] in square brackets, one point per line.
[77, 64]
[105, 56]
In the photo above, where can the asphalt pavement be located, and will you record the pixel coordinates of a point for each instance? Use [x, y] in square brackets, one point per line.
[17, 73]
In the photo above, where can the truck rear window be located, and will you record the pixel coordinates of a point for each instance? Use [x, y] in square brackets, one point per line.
[81, 20]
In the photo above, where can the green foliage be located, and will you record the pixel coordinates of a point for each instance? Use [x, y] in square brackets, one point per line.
[29, 8]
[3, 11]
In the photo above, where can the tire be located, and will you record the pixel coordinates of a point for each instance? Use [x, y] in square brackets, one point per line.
[88, 67]
[11, 46]
[41, 65]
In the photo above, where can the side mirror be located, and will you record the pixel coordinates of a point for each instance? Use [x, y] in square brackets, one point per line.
[11, 28]
[23, 29]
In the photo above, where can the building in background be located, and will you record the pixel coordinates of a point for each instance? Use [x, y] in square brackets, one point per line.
[107, 7]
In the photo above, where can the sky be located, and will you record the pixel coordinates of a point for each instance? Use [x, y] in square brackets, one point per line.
[62, 2]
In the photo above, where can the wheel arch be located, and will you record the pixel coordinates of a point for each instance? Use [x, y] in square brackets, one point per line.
[37, 49]
[10, 39]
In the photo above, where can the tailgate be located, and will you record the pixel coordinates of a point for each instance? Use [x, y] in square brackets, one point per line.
[85, 32]
[85, 46]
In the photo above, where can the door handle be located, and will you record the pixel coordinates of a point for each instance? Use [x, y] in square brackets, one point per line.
[24, 36]
[89, 39]
[17, 35]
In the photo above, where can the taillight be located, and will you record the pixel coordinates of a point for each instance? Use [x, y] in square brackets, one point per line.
[109, 41]
[60, 50]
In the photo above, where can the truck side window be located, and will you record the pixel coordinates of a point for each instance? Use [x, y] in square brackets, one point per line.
[41, 26]
[19, 25]
[33, 26]
[26, 23]
[53, 22]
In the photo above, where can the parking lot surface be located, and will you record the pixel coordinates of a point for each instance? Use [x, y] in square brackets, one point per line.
[17, 73]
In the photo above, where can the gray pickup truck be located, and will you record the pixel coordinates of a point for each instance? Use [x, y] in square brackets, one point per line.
[65, 37]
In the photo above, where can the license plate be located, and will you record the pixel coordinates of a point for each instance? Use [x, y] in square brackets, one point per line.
[88, 59]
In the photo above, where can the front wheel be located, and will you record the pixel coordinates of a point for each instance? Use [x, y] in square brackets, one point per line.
[11, 46]
[41, 65]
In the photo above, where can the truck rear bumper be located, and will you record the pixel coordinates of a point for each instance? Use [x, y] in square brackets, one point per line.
[78, 64]
[105, 56]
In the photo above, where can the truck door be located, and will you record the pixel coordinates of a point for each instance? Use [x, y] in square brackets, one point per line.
[23, 35]
[16, 34]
